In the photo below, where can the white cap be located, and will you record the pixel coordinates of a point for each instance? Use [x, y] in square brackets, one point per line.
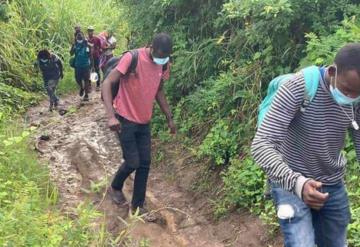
[90, 28]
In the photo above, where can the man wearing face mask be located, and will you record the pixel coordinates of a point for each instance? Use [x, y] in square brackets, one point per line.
[131, 111]
[95, 44]
[301, 152]
[52, 71]
[81, 51]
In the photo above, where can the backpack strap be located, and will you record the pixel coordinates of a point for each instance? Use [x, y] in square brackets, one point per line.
[164, 67]
[312, 78]
[134, 61]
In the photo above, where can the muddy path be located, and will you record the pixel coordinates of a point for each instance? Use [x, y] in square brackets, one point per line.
[82, 155]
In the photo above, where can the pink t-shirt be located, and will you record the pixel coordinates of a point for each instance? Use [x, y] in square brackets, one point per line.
[137, 91]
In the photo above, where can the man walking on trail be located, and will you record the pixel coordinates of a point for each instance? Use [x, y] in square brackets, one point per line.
[301, 152]
[81, 51]
[95, 45]
[132, 113]
[52, 71]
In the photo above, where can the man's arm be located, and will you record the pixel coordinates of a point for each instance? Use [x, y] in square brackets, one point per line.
[91, 53]
[61, 68]
[36, 66]
[164, 106]
[72, 50]
[111, 79]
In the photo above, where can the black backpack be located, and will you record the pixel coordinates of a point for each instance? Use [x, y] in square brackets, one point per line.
[114, 61]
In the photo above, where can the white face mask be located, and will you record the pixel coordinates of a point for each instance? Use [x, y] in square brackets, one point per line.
[161, 61]
[44, 60]
[80, 41]
[338, 96]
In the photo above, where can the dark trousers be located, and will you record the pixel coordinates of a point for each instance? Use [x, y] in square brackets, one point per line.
[326, 227]
[135, 142]
[97, 70]
[82, 77]
[50, 87]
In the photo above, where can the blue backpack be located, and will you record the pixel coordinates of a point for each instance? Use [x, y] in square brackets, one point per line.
[312, 78]
[82, 56]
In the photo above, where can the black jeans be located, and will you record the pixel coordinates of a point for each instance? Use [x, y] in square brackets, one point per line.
[135, 140]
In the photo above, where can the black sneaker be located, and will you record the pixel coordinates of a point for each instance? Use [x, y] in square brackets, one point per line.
[117, 196]
[81, 92]
[86, 97]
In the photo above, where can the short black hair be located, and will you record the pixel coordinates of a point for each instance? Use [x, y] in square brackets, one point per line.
[43, 54]
[348, 58]
[162, 42]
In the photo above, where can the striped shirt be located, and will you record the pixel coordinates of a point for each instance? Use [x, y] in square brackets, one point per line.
[292, 146]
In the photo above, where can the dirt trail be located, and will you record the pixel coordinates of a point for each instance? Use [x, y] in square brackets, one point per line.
[83, 154]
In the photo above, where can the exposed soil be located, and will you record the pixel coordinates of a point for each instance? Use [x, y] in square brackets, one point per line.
[83, 154]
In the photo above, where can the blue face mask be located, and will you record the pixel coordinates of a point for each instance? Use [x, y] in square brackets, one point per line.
[161, 61]
[339, 97]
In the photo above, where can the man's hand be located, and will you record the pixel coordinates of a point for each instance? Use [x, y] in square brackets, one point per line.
[172, 126]
[311, 195]
[114, 124]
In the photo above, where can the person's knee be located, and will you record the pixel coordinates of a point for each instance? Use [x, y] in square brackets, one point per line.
[145, 164]
[133, 163]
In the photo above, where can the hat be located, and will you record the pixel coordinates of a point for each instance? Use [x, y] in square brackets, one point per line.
[91, 28]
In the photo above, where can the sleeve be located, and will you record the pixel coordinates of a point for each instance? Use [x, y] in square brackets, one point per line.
[124, 63]
[272, 132]
[166, 74]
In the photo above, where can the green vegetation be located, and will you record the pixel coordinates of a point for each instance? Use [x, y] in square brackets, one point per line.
[225, 54]
[226, 51]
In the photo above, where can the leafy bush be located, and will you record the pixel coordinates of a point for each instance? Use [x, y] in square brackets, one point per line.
[244, 183]
[321, 50]
[219, 143]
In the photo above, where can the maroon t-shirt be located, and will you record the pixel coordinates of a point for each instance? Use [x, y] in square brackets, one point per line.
[95, 44]
[137, 92]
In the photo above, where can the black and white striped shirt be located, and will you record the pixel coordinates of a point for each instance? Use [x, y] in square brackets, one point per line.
[292, 146]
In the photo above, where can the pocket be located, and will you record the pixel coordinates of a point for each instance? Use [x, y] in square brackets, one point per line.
[289, 207]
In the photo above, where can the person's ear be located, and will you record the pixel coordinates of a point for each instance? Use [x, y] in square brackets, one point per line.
[332, 71]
